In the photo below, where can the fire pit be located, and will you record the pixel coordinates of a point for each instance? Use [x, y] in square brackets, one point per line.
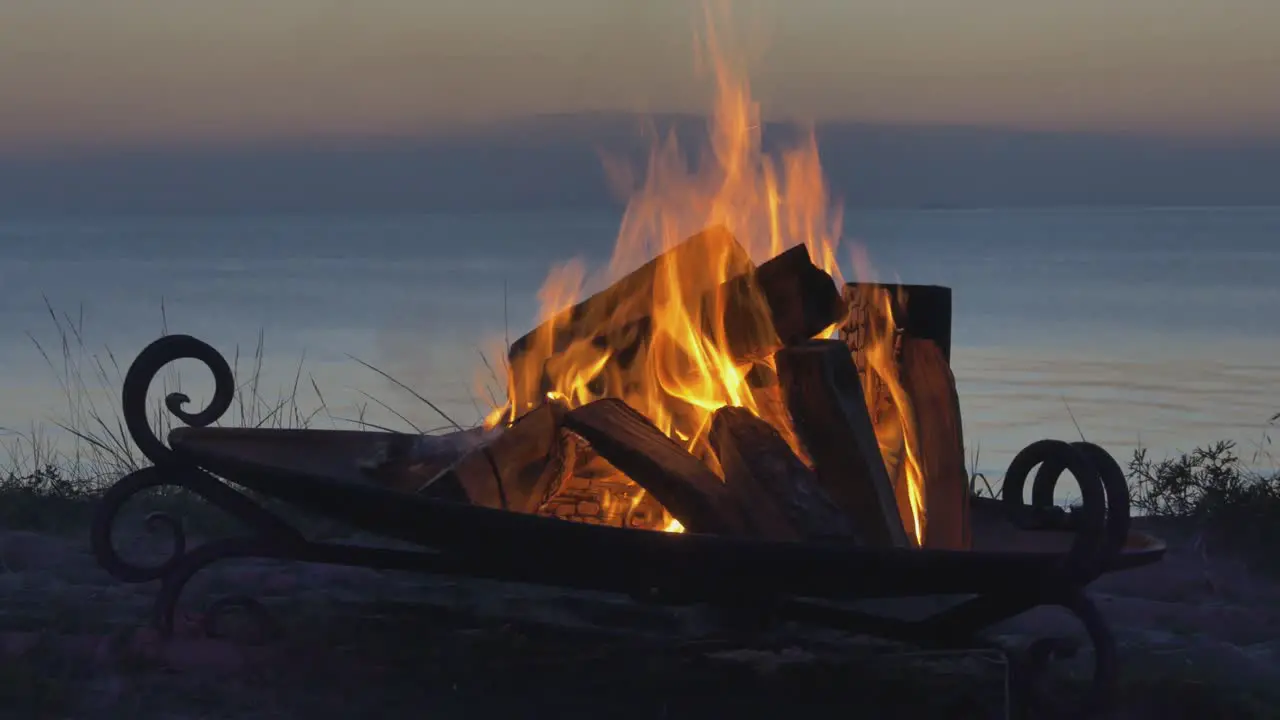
[828, 469]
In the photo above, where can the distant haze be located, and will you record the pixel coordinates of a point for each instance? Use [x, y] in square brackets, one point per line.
[225, 106]
[553, 163]
[100, 73]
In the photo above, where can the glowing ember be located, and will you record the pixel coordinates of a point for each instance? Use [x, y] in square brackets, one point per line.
[769, 204]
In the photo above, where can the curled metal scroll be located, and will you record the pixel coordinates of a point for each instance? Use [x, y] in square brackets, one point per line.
[1032, 666]
[184, 567]
[1115, 488]
[1085, 560]
[262, 522]
[148, 364]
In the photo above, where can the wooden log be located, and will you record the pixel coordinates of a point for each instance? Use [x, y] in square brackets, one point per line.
[824, 395]
[594, 492]
[786, 299]
[921, 314]
[763, 515]
[630, 299]
[779, 493]
[930, 384]
[516, 471]
[687, 488]
[921, 311]
[801, 300]
[404, 461]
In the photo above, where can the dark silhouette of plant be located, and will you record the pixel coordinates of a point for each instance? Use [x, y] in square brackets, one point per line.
[1230, 505]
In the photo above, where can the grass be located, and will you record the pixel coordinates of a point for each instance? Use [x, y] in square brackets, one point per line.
[1231, 507]
[52, 473]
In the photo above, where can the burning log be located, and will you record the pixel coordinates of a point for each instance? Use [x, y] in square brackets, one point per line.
[800, 297]
[687, 488]
[824, 394]
[920, 311]
[596, 493]
[920, 352]
[624, 306]
[786, 299]
[779, 493]
[747, 484]
[928, 380]
[516, 471]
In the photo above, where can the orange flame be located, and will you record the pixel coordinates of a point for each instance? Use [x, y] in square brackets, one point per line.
[768, 203]
[894, 420]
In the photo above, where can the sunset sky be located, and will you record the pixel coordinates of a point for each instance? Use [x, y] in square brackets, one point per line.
[95, 73]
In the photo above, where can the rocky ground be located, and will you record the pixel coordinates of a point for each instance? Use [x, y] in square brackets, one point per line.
[1200, 637]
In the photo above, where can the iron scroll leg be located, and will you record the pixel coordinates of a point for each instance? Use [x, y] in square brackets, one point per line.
[180, 573]
[961, 626]
[270, 536]
[1030, 666]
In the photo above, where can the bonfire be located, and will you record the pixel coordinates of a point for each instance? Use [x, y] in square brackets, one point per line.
[724, 348]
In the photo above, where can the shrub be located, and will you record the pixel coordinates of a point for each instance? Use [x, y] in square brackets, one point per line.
[1227, 503]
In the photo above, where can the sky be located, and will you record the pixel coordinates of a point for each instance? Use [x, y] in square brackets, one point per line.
[129, 72]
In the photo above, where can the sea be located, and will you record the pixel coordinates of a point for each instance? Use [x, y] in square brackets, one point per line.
[1155, 328]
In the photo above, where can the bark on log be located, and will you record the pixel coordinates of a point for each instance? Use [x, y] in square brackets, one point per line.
[687, 488]
[516, 471]
[929, 383]
[779, 493]
[824, 395]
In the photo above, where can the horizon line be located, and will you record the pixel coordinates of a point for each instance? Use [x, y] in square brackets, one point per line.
[55, 148]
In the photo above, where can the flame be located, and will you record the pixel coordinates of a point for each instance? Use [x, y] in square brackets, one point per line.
[769, 203]
[894, 421]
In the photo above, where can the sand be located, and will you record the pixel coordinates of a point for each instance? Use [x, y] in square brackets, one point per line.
[1199, 634]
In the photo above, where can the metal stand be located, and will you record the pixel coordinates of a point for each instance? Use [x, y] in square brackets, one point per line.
[1101, 526]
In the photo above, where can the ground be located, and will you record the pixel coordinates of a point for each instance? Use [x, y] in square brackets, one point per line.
[1199, 635]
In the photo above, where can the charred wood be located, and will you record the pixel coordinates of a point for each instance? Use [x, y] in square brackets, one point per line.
[780, 495]
[824, 395]
[786, 299]
[515, 471]
[685, 486]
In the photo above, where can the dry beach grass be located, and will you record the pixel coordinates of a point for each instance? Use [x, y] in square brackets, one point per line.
[1198, 632]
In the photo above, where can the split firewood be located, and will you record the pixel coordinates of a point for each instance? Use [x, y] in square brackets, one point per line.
[922, 350]
[686, 487]
[594, 492]
[786, 299]
[798, 299]
[930, 384]
[802, 298]
[402, 461]
[780, 495]
[824, 394]
[920, 311]
[630, 299]
[515, 471]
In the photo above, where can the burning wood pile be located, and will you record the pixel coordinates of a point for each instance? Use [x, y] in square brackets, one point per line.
[757, 401]
[705, 392]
